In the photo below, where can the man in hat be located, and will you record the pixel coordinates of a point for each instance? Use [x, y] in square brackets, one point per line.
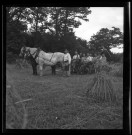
[67, 62]
[89, 57]
[76, 56]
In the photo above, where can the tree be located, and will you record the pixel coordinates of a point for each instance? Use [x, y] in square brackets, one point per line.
[64, 19]
[69, 20]
[60, 21]
[15, 29]
[37, 17]
[106, 39]
[117, 57]
[82, 45]
[15, 13]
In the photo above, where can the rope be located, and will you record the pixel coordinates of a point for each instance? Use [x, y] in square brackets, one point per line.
[42, 57]
[51, 56]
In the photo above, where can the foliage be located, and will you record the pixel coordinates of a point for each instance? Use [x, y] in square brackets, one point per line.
[52, 30]
[105, 39]
[15, 29]
[51, 34]
[10, 57]
[64, 19]
[117, 69]
[82, 45]
[118, 57]
[119, 73]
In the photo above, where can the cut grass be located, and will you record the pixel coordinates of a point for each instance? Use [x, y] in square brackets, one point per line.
[58, 101]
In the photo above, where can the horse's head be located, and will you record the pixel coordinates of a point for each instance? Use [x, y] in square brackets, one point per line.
[25, 52]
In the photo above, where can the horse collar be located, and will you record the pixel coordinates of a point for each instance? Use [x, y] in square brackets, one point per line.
[51, 56]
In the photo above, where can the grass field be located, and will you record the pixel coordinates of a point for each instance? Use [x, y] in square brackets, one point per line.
[57, 102]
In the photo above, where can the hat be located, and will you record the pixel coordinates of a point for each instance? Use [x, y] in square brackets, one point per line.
[66, 50]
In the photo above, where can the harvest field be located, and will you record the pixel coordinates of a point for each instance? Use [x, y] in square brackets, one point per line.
[57, 102]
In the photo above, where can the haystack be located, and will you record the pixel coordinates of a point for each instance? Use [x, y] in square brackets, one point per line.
[101, 89]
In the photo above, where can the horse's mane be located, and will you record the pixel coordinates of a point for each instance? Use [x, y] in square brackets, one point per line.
[43, 50]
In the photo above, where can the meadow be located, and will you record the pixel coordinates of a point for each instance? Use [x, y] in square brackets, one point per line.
[57, 102]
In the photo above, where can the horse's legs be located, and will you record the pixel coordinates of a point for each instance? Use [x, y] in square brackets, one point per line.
[33, 69]
[41, 70]
[53, 69]
[63, 68]
[69, 73]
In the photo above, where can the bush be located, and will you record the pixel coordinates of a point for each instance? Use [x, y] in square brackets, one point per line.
[117, 70]
[117, 58]
[11, 58]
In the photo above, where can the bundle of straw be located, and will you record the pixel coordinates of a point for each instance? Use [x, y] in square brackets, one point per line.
[101, 89]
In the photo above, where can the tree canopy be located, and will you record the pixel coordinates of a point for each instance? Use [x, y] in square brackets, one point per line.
[52, 29]
[106, 39]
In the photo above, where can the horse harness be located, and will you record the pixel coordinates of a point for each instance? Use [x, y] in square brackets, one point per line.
[37, 53]
[51, 57]
[42, 57]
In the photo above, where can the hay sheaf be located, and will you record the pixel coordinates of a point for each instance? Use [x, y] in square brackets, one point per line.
[117, 70]
[101, 89]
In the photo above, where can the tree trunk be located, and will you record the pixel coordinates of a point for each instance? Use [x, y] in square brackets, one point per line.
[20, 12]
[56, 22]
[36, 29]
[108, 52]
[65, 29]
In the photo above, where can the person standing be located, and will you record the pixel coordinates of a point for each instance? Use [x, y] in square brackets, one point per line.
[76, 56]
[75, 62]
[83, 59]
[95, 58]
[103, 59]
[80, 55]
[98, 62]
[89, 57]
[67, 63]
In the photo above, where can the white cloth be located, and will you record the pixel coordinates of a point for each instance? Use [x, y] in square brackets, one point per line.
[100, 57]
[95, 59]
[89, 58]
[76, 57]
[67, 57]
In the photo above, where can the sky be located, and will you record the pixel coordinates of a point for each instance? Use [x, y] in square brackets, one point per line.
[101, 17]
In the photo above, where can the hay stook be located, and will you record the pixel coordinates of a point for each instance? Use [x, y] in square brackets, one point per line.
[101, 89]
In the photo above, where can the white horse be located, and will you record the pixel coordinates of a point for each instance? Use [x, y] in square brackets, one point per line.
[42, 58]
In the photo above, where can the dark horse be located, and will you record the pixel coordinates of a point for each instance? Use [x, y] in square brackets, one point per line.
[31, 56]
